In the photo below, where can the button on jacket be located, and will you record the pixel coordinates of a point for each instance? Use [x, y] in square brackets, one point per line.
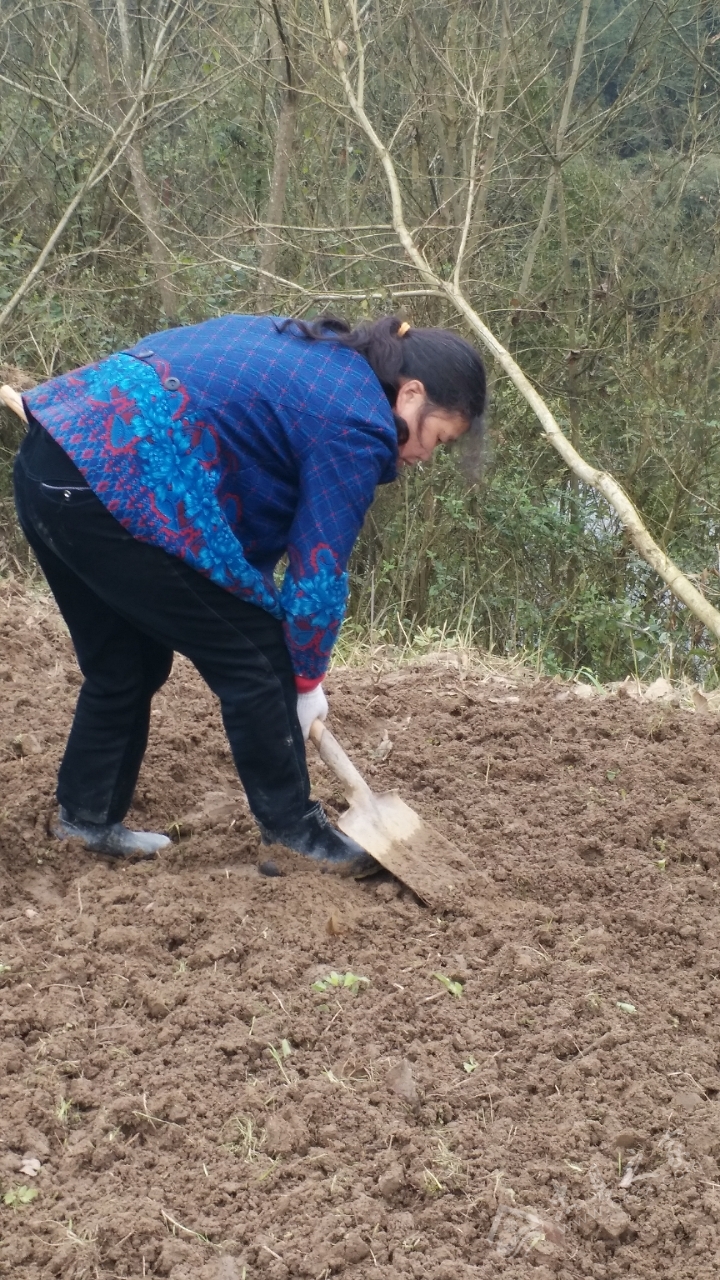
[229, 445]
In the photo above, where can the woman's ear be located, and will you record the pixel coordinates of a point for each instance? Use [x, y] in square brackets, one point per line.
[411, 395]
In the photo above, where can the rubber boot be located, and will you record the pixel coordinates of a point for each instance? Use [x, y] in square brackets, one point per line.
[113, 839]
[316, 838]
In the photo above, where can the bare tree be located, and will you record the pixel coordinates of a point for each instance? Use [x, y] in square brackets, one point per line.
[119, 81]
[120, 139]
[603, 482]
[281, 55]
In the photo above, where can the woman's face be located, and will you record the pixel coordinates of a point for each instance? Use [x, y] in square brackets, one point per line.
[427, 430]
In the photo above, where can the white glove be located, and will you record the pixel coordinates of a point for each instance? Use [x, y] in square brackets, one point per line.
[311, 706]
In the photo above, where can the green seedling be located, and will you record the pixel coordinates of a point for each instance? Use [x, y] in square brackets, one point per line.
[661, 863]
[412, 1243]
[16, 1197]
[470, 1065]
[267, 1172]
[327, 1071]
[63, 1109]
[625, 1006]
[433, 1185]
[81, 1238]
[352, 981]
[590, 678]
[250, 1143]
[449, 1163]
[5, 968]
[612, 774]
[278, 1055]
[455, 988]
[174, 1226]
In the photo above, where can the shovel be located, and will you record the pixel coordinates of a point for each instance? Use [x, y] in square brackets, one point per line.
[12, 400]
[392, 832]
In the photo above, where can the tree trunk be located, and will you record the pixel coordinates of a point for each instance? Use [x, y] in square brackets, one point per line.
[149, 212]
[270, 238]
[490, 152]
[281, 52]
[148, 204]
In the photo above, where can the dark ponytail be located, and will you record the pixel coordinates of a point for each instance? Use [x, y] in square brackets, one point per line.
[449, 368]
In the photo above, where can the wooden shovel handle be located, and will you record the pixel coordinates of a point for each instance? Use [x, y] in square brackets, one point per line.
[356, 788]
[12, 400]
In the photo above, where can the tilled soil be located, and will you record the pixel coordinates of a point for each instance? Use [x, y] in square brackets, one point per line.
[186, 1103]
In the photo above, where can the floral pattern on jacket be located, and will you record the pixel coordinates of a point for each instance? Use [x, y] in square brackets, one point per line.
[229, 444]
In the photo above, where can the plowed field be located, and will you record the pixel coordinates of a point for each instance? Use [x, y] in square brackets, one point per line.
[189, 1094]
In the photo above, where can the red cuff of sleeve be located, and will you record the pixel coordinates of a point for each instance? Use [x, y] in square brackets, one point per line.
[306, 686]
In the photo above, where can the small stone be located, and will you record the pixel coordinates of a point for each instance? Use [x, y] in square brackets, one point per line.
[659, 690]
[392, 1181]
[269, 868]
[400, 1080]
[686, 1101]
[174, 1253]
[216, 948]
[583, 691]
[627, 1140]
[233, 1044]
[222, 1268]
[355, 1248]
[367, 1212]
[286, 1133]
[155, 1005]
[83, 1093]
[611, 1221]
[219, 806]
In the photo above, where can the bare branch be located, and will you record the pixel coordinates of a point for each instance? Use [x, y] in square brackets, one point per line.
[601, 481]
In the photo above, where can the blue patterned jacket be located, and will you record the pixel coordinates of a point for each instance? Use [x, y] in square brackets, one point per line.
[229, 444]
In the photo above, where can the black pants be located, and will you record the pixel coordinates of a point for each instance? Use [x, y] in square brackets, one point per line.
[128, 606]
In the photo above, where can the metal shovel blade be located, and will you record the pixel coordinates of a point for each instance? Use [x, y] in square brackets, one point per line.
[395, 835]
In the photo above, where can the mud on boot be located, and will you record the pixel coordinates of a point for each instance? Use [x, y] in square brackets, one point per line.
[315, 837]
[111, 839]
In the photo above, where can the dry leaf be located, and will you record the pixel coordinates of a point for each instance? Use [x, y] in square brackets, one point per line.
[219, 806]
[334, 925]
[700, 701]
[383, 750]
[583, 691]
[658, 690]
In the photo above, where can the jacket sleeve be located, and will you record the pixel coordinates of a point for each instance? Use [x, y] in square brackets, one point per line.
[338, 476]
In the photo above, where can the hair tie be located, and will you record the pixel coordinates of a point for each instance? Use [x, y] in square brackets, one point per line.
[404, 328]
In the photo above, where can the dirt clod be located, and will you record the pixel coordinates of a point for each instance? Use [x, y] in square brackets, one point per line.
[392, 1181]
[609, 1218]
[286, 1133]
[400, 1080]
